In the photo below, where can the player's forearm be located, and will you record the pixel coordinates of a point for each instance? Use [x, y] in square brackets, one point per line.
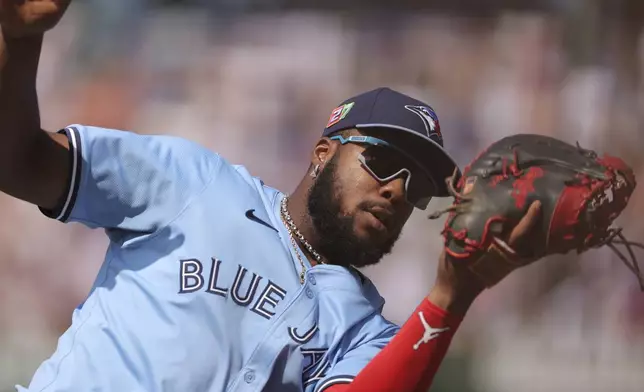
[410, 361]
[34, 165]
[19, 113]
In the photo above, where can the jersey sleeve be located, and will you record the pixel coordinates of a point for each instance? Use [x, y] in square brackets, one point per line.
[122, 180]
[369, 339]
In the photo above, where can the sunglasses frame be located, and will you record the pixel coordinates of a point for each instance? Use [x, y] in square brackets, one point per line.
[374, 141]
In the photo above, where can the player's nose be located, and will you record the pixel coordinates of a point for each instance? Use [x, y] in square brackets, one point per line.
[394, 190]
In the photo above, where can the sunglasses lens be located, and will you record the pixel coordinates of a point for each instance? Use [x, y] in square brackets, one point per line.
[382, 161]
[385, 162]
[420, 190]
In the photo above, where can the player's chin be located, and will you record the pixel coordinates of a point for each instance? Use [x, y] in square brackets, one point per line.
[371, 229]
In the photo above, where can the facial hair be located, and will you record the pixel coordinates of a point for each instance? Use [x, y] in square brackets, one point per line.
[335, 235]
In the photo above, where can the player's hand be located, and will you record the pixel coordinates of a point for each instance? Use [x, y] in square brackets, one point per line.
[20, 18]
[457, 286]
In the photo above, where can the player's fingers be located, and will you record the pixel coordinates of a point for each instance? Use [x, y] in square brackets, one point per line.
[38, 8]
[525, 225]
[28, 12]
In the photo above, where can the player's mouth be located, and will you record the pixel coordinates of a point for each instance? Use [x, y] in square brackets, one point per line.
[381, 218]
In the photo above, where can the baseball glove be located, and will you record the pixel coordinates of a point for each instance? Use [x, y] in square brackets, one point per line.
[580, 194]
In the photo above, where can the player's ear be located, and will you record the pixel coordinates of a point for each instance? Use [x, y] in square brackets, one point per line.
[324, 150]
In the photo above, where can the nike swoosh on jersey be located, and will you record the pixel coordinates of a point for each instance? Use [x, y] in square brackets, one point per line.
[250, 214]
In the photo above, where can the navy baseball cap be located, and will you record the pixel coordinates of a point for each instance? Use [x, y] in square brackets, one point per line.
[410, 125]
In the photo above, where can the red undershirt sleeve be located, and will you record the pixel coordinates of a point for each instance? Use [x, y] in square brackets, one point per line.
[410, 361]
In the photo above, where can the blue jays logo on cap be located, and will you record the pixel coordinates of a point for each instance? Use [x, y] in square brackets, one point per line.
[430, 119]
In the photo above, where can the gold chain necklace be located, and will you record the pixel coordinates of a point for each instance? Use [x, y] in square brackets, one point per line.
[293, 232]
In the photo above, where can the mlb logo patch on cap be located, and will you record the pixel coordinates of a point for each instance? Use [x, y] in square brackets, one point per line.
[339, 113]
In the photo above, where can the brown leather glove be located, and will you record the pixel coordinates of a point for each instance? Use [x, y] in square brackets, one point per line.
[580, 196]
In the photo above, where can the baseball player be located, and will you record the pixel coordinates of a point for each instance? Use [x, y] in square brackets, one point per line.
[214, 281]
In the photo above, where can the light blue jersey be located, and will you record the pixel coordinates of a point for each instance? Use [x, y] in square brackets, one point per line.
[200, 287]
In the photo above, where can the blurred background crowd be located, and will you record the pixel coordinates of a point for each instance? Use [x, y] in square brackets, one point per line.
[255, 80]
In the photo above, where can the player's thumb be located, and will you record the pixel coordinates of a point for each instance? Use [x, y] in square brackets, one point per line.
[526, 224]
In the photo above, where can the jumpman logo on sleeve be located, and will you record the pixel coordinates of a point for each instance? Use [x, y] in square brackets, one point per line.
[430, 333]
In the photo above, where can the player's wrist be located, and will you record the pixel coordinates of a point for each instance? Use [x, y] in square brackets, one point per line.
[22, 48]
[456, 287]
[454, 300]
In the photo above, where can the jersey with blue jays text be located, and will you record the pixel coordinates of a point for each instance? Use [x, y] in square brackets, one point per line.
[200, 286]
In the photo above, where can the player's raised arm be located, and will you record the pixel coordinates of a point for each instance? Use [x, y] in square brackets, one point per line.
[112, 179]
[34, 164]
